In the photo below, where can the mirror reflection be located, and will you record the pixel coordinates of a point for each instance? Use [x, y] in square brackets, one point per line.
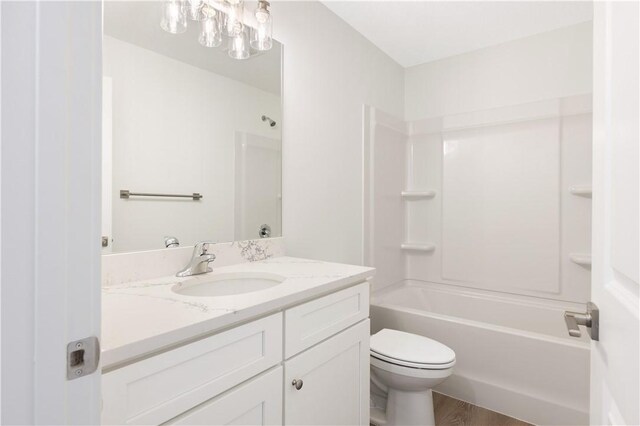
[191, 135]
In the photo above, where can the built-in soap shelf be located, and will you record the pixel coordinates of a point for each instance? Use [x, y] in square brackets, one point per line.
[581, 190]
[583, 259]
[417, 195]
[426, 247]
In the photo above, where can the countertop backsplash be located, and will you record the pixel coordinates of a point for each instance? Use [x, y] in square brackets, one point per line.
[120, 268]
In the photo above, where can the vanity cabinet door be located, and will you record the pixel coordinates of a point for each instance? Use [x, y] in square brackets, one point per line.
[332, 381]
[257, 402]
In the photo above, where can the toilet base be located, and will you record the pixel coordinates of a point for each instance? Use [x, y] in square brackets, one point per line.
[410, 408]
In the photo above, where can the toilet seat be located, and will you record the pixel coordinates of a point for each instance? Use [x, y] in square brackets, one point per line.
[422, 366]
[419, 373]
[411, 350]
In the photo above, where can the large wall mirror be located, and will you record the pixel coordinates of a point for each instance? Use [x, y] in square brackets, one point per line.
[183, 119]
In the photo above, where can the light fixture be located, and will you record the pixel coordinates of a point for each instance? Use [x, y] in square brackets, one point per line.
[194, 9]
[222, 21]
[174, 17]
[233, 18]
[211, 33]
[239, 45]
[261, 34]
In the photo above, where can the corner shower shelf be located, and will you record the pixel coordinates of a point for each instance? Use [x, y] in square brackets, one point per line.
[415, 195]
[583, 259]
[418, 247]
[581, 190]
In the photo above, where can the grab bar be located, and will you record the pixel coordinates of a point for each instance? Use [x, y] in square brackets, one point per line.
[125, 193]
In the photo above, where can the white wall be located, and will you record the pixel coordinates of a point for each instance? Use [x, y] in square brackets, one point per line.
[174, 132]
[330, 71]
[550, 65]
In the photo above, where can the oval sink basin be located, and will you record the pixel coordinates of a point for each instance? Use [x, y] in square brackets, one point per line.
[229, 284]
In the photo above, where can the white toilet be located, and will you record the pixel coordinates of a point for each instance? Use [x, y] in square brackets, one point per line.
[407, 366]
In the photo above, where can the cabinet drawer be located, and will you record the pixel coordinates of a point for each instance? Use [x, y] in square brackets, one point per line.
[314, 321]
[157, 389]
[257, 402]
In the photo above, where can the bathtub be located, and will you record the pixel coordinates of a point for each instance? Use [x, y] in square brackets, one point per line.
[513, 354]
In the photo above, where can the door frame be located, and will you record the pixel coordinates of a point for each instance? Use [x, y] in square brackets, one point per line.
[50, 197]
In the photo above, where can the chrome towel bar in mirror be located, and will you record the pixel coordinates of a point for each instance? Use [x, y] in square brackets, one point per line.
[125, 193]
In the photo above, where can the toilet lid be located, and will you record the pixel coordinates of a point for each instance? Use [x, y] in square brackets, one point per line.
[410, 349]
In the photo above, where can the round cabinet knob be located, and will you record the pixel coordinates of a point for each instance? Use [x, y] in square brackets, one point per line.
[297, 383]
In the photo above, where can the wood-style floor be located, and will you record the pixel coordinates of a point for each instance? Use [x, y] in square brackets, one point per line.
[453, 412]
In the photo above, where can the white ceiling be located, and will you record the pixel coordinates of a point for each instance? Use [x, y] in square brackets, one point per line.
[138, 22]
[415, 32]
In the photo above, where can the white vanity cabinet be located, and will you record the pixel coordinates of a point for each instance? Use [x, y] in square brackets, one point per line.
[244, 375]
[332, 377]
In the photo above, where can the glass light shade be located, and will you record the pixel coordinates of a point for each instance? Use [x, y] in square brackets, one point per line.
[211, 33]
[233, 19]
[239, 45]
[174, 17]
[261, 35]
[194, 10]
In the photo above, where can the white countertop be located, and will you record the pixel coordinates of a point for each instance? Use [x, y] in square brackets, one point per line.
[144, 317]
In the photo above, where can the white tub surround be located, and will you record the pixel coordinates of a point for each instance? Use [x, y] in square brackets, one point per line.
[144, 317]
[495, 199]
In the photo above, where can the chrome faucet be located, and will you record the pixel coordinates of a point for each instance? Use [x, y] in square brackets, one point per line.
[200, 259]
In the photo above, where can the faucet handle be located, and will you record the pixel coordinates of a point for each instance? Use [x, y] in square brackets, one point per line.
[202, 247]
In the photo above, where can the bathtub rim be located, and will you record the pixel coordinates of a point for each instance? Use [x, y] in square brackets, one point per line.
[582, 343]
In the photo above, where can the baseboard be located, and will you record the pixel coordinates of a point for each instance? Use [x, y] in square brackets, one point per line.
[512, 403]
